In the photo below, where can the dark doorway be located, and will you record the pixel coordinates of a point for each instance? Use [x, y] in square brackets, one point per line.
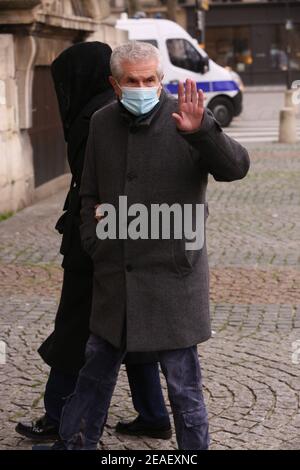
[47, 140]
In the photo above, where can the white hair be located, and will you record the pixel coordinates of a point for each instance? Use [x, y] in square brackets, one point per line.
[134, 51]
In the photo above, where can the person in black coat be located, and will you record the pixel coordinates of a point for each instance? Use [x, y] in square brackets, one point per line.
[80, 74]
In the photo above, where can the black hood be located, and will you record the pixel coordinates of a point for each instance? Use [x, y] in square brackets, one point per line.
[80, 73]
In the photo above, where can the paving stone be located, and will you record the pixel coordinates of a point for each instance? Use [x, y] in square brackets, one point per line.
[251, 384]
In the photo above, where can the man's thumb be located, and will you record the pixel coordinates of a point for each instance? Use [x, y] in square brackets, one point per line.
[177, 118]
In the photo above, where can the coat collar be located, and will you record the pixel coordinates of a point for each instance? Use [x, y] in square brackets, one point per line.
[145, 119]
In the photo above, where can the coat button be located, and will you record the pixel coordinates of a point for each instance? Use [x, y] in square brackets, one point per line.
[128, 268]
[131, 176]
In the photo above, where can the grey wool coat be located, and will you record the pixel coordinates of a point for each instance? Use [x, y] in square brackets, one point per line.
[154, 290]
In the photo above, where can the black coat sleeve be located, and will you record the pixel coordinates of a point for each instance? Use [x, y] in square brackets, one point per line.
[89, 196]
[222, 156]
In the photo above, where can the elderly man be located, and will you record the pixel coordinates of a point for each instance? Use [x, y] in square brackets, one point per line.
[150, 294]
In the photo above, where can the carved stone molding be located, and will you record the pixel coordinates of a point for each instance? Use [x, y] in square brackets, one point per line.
[18, 4]
[68, 14]
[25, 52]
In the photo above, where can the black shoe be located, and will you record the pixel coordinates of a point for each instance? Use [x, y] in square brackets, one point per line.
[39, 430]
[58, 445]
[139, 428]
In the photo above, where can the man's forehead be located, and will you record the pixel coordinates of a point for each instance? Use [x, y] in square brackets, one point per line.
[141, 68]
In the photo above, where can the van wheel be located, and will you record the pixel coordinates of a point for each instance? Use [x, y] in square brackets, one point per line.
[223, 110]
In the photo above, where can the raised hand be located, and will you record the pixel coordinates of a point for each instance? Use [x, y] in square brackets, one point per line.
[190, 107]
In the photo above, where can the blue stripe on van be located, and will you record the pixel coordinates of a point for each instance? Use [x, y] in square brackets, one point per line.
[224, 85]
[173, 87]
[220, 85]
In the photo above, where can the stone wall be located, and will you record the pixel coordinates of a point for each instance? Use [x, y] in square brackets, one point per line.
[16, 168]
[32, 34]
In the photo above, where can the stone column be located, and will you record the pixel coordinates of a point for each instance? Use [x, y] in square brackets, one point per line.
[16, 163]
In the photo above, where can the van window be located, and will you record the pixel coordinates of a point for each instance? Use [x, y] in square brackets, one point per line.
[184, 55]
[151, 41]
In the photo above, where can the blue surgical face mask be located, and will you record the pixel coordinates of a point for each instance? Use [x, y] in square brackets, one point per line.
[139, 100]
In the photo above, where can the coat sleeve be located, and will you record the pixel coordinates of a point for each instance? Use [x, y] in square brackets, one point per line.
[89, 195]
[222, 156]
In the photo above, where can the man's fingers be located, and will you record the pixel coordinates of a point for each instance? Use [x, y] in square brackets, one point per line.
[200, 99]
[188, 91]
[98, 213]
[191, 106]
[194, 93]
[181, 97]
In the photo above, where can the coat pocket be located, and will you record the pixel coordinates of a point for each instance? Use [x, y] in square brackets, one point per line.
[186, 259]
[196, 417]
[182, 262]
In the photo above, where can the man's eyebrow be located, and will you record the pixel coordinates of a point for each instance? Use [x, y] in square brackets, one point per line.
[131, 77]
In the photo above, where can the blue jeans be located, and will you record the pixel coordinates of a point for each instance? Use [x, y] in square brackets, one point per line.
[85, 412]
[58, 387]
[145, 388]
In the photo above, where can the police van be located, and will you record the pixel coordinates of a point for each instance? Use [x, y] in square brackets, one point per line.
[183, 58]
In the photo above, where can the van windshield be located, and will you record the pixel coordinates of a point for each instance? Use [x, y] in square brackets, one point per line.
[184, 55]
[150, 41]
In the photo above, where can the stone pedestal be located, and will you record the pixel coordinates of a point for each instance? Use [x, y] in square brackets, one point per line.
[287, 126]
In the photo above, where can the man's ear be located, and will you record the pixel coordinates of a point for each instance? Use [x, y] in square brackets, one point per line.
[115, 86]
[161, 85]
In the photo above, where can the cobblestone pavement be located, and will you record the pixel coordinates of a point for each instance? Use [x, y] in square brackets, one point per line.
[251, 367]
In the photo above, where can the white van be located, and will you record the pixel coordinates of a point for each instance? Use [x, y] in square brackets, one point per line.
[182, 59]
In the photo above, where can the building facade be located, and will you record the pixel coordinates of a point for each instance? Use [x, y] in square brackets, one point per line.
[258, 39]
[32, 34]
